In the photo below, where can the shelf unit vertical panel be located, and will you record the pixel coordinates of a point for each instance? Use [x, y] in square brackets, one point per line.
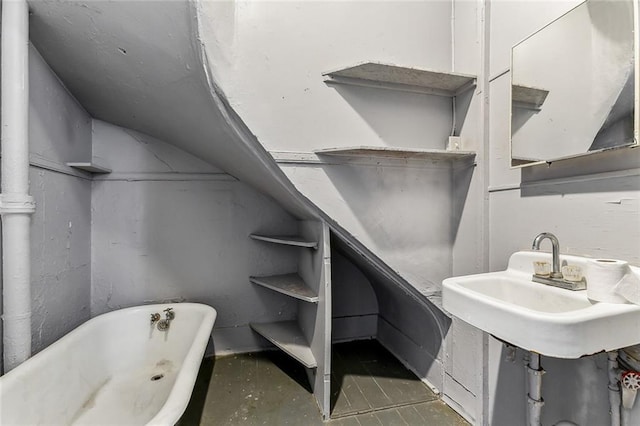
[315, 319]
[325, 340]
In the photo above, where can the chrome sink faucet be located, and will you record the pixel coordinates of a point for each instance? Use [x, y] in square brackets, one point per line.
[555, 278]
[555, 247]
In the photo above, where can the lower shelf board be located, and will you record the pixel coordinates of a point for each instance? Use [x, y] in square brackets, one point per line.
[287, 336]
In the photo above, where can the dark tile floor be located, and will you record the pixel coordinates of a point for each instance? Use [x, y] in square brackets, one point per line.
[369, 387]
[366, 377]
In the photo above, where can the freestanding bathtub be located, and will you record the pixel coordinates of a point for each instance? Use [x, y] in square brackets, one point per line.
[115, 369]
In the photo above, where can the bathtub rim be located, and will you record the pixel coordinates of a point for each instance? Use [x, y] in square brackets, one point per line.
[172, 410]
[175, 406]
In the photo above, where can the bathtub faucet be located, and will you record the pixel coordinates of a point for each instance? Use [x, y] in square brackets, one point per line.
[169, 315]
[155, 318]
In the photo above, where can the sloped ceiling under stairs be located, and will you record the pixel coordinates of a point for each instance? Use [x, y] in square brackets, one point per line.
[140, 65]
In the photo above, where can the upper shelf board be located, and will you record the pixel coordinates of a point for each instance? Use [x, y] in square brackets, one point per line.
[528, 97]
[286, 240]
[395, 152]
[90, 167]
[385, 76]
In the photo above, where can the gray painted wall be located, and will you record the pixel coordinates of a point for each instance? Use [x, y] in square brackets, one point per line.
[401, 212]
[169, 227]
[411, 214]
[596, 215]
[354, 305]
[170, 103]
[60, 255]
[591, 204]
[424, 220]
[59, 131]
[164, 225]
[464, 346]
[416, 237]
[149, 72]
[289, 107]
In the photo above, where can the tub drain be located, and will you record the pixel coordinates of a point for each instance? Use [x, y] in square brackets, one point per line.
[157, 377]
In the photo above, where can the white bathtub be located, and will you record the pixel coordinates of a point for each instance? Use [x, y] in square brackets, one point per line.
[101, 373]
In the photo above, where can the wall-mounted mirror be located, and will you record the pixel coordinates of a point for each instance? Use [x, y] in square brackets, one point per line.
[574, 86]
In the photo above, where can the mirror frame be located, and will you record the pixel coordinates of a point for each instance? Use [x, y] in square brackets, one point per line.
[636, 102]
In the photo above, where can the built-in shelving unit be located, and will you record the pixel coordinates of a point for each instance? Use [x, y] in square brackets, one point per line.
[407, 79]
[287, 336]
[396, 152]
[290, 284]
[528, 97]
[307, 338]
[90, 167]
[286, 240]
[394, 77]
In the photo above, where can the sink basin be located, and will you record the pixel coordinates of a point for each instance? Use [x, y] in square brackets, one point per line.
[548, 320]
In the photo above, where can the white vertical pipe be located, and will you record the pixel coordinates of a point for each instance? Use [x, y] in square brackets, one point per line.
[16, 206]
[525, 359]
[624, 417]
[534, 396]
[615, 400]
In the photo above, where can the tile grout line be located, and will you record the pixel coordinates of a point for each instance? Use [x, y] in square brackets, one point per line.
[391, 407]
[419, 414]
[402, 417]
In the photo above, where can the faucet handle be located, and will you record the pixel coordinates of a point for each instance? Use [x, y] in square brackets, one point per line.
[170, 314]
[155, 317]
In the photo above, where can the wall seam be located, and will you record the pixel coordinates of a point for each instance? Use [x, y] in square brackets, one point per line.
[482, 399]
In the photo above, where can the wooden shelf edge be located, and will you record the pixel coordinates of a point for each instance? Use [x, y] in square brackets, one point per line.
[285, 240]
[287, 336]
[288, 284]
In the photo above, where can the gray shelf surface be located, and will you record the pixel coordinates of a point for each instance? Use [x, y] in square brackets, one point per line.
[289, 284]
[528, 96]
[287, 336]
[89, 167]
[388, 76]
[396, 152]
[286, 240]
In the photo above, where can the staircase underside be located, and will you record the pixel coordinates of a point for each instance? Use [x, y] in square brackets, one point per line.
[148, 72]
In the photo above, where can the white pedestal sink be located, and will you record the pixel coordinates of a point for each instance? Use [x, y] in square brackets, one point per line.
[547, 320]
